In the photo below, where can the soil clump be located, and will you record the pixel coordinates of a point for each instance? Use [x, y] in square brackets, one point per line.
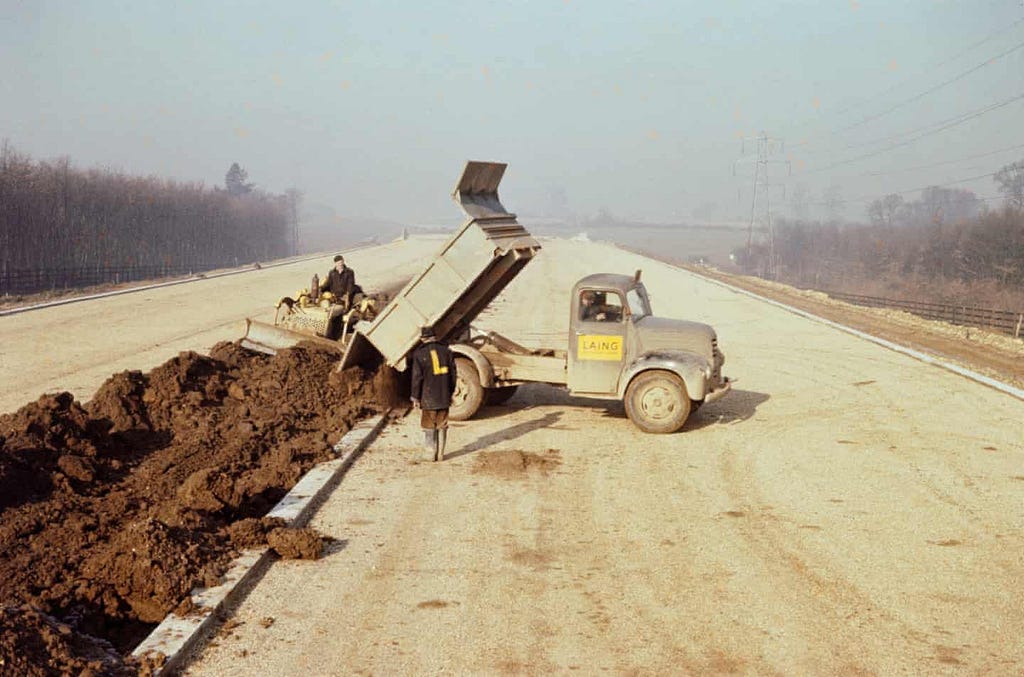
[114, 510]
[514, 464]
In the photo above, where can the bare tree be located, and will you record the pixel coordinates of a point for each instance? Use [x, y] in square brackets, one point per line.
[949, 205]
[832, 197]
[1010, 180]
[801, 201]
[885, 210]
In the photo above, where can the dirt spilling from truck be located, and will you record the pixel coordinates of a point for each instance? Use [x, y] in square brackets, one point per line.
[114, 510]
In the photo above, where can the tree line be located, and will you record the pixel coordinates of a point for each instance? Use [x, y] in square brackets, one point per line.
[57, 218]
[936, 247]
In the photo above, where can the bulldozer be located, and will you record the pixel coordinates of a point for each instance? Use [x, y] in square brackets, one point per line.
[312, 315]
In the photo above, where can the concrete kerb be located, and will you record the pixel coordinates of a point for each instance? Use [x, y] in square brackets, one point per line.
[910, 352]
[178, 637]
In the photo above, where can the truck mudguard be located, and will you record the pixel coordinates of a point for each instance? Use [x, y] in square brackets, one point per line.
[483, 366]
[693, 369]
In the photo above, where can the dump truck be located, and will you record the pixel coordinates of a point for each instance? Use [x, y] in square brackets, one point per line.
[662, 369]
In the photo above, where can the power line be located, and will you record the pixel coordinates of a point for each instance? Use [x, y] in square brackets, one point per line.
[987, 198]
[902, 83]
[918, 97]
[941, 185]
[927, 131]
[937, 164]
[931, 126]
[929, 69]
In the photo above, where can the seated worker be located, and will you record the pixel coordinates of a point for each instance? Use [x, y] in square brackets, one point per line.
[341, 282]
[595, 308]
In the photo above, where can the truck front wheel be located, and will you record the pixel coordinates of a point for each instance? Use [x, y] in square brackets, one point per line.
[657, 402]
[469, 394]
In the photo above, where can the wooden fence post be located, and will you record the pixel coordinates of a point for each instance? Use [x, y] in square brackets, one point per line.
[1020, 320]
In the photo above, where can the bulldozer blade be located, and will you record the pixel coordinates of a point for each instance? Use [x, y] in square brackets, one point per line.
[266, 338]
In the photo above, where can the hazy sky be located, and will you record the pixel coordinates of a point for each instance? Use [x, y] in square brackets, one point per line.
[633, 107]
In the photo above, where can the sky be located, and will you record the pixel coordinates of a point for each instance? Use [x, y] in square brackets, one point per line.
[638, 109]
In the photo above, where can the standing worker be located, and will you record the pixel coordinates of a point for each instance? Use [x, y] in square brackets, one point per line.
[433, 383]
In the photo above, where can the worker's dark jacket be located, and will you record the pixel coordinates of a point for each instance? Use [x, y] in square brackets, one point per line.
[340, 284]
[433, 375]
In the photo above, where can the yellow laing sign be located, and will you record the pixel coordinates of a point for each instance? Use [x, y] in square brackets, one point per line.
[598, 347]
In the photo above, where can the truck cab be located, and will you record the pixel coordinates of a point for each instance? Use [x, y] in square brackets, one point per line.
[661, 368]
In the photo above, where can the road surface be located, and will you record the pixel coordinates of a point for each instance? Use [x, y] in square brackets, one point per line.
[847, 510]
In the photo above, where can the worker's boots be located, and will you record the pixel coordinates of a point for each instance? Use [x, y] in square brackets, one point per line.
[430, 443]
[442, 440]
[434, 440]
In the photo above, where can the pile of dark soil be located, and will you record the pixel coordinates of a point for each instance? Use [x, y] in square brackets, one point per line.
[113, 511]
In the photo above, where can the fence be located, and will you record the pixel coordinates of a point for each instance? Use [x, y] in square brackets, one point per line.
[33, 281]
[1002, 320]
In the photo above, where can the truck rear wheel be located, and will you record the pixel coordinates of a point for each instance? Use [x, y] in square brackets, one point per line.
[469, 394]
[657, 402]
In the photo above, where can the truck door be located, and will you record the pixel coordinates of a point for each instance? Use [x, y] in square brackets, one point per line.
[597, 342]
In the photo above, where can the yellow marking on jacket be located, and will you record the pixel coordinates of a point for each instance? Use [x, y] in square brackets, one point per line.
[438, 369]
[598, 347]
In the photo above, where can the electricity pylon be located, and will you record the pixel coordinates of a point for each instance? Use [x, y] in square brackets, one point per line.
[760, 199]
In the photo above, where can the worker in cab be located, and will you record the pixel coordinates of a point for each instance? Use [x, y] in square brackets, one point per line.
[433, 384]
[594, 307]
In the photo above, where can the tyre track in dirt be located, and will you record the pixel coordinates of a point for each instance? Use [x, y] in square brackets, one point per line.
[806, 581]
[818, 585]
[820, 581]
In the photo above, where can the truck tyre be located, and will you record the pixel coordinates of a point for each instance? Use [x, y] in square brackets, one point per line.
[469, 394]
[501, 395]
[657, 402]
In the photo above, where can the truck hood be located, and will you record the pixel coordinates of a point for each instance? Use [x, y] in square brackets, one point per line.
[661, 333]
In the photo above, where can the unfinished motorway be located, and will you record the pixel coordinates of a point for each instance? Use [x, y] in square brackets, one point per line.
[846, 509]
